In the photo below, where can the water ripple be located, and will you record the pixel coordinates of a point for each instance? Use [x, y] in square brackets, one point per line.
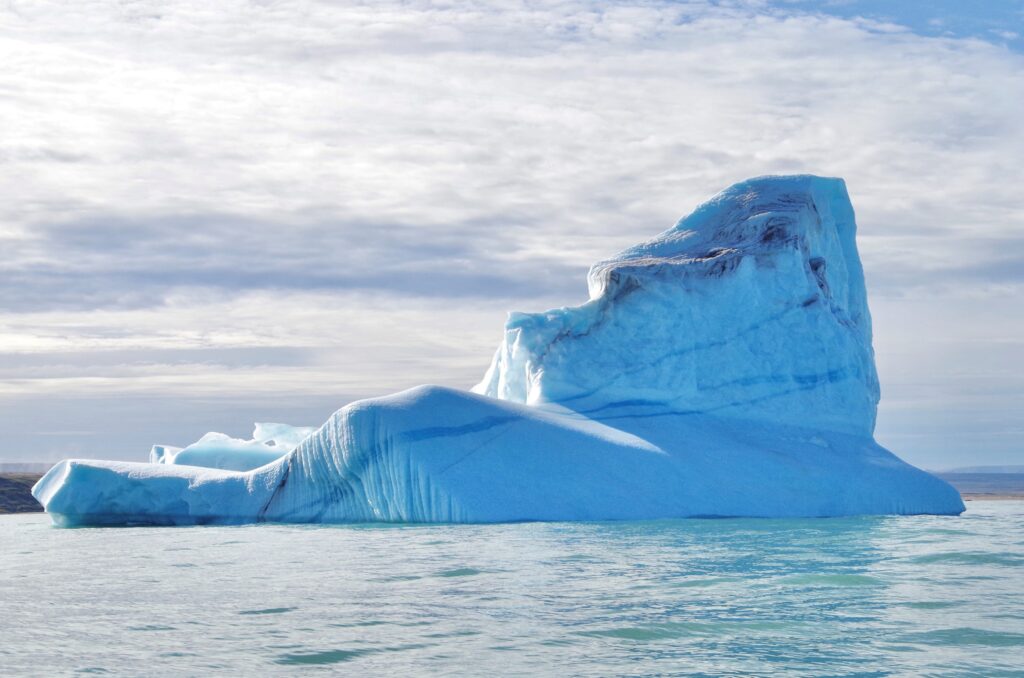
[972, 558]
[906, 595]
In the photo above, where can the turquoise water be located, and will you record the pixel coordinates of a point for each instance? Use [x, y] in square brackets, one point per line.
[862, 596]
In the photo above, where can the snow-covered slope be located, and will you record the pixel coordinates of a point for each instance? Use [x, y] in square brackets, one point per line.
[722, 369]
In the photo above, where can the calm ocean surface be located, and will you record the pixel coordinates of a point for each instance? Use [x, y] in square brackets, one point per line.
[862, 596]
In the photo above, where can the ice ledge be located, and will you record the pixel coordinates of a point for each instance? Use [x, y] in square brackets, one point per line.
[434, 454]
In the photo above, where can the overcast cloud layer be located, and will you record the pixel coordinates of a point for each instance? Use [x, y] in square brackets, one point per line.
[215, 213]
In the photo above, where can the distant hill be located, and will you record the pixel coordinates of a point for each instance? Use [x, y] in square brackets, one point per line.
[1019, 468]
[16, 493]
[26, 467]
[981, 485]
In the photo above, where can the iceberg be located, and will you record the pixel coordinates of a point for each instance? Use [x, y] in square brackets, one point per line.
[723, 368]
[269, 443]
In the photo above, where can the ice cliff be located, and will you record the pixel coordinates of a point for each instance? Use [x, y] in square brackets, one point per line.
[723, 368]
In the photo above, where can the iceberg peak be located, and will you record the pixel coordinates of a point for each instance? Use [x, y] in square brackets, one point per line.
[752, 306]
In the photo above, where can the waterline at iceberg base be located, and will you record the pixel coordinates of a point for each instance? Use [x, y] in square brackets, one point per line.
[723, 368]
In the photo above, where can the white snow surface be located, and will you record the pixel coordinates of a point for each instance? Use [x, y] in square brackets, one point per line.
[723, 368]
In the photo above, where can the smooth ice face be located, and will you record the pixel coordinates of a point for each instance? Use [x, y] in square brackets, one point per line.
[722, 369]
[269, 443]
[753, 307]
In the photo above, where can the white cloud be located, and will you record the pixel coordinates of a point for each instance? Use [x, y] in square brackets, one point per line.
[165, 164]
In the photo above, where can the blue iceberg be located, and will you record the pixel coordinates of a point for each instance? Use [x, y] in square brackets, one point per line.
[723, 368]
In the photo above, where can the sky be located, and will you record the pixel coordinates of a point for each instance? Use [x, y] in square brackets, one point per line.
[219, 213]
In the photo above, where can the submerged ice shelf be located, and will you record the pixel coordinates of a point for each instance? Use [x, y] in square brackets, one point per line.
[723, 368]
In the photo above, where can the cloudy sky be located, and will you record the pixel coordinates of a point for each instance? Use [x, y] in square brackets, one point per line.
[218, 213]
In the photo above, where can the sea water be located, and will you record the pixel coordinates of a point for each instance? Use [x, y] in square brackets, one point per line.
[857, 596]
